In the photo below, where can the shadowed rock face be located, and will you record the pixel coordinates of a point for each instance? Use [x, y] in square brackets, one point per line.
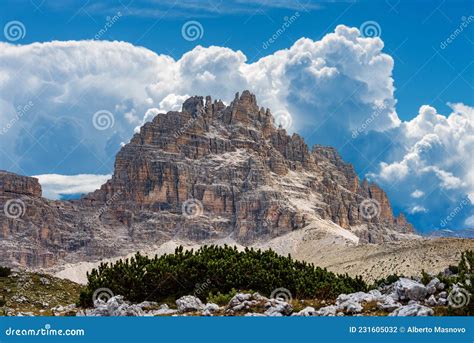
[208, 172]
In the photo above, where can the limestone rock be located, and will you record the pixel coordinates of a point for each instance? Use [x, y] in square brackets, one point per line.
[307, 311]
[189, 303]
[21, 185]
[413, 310]
[207, 172]
[408, 289]
[327, 311]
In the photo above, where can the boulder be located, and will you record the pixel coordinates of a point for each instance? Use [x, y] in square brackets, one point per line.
[245, 301]
[254, 315]
[189, 303]
[412, 310]
[162, 311]
[387, 303]
[407, 289]
[431, 301]
[326, 311]
[443, 295]
[115, 306]
[278, 308]
[307, 311]
[211, 307]
[432, 286]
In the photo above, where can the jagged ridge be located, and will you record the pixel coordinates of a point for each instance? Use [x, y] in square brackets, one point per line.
[245, 178]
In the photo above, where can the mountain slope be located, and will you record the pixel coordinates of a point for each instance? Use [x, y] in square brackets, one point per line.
[209, 172]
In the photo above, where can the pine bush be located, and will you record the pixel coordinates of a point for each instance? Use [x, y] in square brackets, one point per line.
[212, 270]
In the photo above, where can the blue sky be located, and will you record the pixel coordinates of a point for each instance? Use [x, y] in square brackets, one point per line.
[411, 30]
[396, 100]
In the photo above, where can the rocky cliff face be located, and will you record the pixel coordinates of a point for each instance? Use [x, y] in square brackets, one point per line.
[208, 172]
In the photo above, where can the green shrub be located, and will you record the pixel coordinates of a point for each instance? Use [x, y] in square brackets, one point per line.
[5, 271]
[221, 299]
[3, 302]
[464, 277]
[386, 281]
[222, 269]
[454, 269]
[425, 277]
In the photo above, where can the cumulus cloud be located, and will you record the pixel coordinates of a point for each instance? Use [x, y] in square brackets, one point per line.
[341, 84]
[322, 83]
[54, 185]
[435, 166]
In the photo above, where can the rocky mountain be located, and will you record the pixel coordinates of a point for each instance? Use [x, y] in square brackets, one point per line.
[208, 172]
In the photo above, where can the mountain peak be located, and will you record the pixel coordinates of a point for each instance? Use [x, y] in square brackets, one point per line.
[208, 172]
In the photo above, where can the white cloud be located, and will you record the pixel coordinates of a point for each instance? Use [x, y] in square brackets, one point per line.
[340, 78]
[438, 146]
[55, 185]
[470, 222]
[418, 209]
[331, 87]
[417, 194]
[437, 158]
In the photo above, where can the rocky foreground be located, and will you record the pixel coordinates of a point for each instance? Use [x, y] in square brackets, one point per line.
[405, 297]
